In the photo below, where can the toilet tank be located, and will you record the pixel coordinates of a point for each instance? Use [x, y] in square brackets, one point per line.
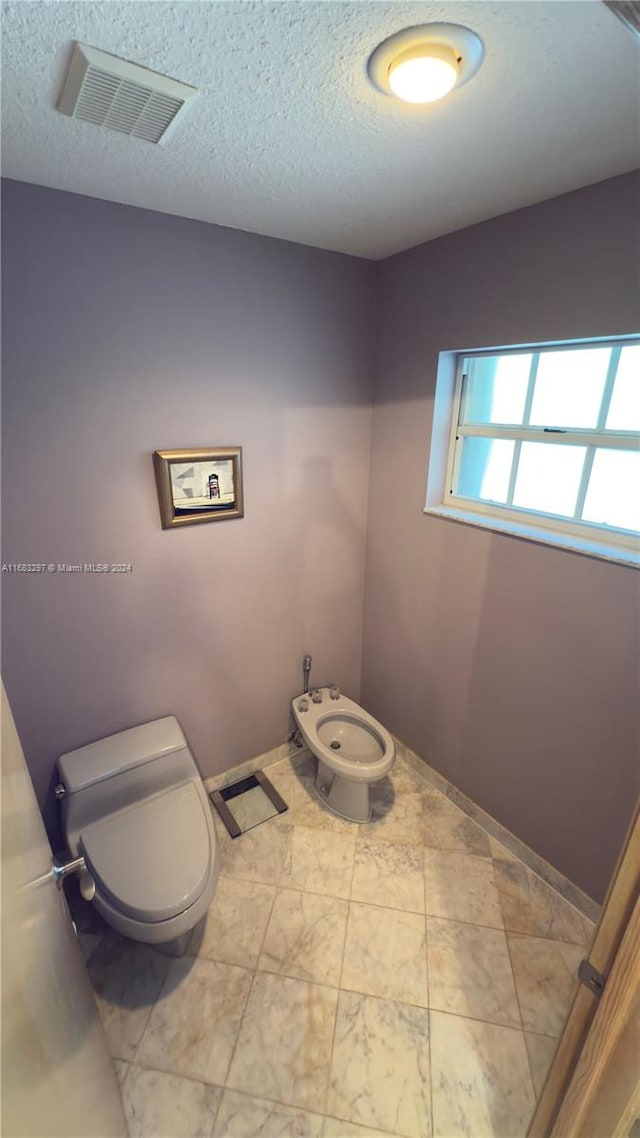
[122, 769]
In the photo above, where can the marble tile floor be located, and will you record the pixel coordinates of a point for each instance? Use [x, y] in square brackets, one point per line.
[403, 978]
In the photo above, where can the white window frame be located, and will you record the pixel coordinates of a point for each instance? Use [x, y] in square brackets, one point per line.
[580, 536]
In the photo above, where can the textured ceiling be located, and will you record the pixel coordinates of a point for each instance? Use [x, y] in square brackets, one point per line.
[288, 137]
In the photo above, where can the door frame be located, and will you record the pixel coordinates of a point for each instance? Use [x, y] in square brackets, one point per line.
[589, 1073]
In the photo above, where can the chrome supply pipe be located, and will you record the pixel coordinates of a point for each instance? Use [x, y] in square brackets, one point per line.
[294, 735]
[60, 870]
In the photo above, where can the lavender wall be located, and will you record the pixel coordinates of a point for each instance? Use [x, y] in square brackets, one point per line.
[513, 668]
[127, 331]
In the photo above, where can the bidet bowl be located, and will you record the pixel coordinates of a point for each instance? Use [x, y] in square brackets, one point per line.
[352, 749]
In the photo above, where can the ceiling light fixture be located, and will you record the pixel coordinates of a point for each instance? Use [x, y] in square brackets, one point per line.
[422, 64]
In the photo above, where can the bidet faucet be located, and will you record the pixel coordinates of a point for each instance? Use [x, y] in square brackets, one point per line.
[294, 735]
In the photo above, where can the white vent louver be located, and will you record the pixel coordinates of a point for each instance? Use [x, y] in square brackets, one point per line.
[122, 96]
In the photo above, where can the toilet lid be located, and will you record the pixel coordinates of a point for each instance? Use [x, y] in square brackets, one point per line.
[152, 859]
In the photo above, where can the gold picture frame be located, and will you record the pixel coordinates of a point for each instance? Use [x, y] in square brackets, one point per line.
[199, 485]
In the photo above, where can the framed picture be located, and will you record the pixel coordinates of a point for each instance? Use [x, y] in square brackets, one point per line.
[199, 485]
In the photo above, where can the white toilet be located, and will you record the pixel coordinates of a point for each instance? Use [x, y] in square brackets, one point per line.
[352, 748]
[135, 808]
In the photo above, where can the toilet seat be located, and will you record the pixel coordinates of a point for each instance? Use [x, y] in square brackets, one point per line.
[151, 860]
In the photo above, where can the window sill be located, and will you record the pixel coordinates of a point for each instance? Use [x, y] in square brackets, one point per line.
[527, 532]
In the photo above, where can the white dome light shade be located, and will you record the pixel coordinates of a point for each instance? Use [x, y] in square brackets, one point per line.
[424, 74]
[422, 64]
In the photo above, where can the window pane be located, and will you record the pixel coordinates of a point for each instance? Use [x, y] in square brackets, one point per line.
[569, 387]
[624, 409]
[496, 388]
[485, 469]
[548, 478]
[613, 496]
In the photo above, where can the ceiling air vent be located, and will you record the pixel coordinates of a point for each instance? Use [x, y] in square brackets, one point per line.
[107, 91]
